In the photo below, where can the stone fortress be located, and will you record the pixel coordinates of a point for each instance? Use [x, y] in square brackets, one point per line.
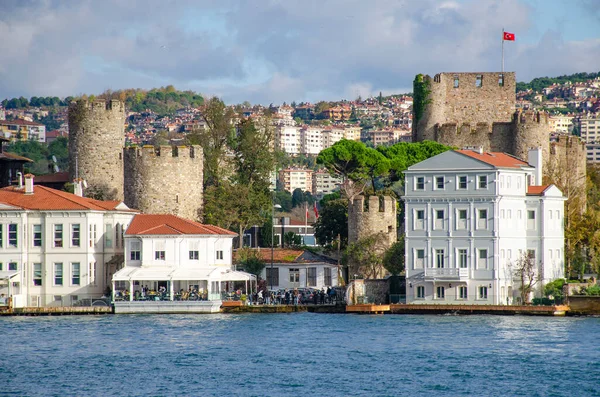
[164, 179]
[478, 110]
[378, 216]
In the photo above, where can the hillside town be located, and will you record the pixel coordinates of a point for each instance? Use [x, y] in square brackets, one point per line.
[145, 147]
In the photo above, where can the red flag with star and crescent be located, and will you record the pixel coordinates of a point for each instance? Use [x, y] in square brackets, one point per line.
[509, 36]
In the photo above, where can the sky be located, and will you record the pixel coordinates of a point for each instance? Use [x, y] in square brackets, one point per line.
[275, 51]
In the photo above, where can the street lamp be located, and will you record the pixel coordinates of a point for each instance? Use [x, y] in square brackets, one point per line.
[273, 239]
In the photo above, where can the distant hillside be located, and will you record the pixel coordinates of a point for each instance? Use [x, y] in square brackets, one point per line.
[540, 83]
[164, 100]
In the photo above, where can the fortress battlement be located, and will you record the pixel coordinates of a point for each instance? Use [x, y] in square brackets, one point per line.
[163, 151]
[96, 105]
[377, 216]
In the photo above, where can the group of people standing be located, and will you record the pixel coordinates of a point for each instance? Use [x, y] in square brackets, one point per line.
[294, 297]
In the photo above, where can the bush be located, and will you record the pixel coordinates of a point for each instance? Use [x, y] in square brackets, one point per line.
[554, 288]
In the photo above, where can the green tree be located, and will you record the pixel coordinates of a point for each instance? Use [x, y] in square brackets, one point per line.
[364, 257]
[60, 149]
[297, 198]
[284, 199]
[250, 261]
[393, 259]
[332, 221]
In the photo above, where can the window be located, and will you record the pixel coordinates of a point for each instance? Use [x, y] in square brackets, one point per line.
[439, 219]
[108, 235]
[461, 220]
[37, 274]
[1, 234]
[482, 182]
[455, 81]
[219, 255]
[194, 255]
[76, 235]
[272, 276]
[531, 255]
[92, 235]
[12, 235]
[135, 252]
[462, 292]
[501, 80]
[58, 236]
[294, 275]
[439, 182]
[419, 259]
[439, 259]
[419, 220]
[420, 183]
[462, 258]
[531, 220]
[75, 273]
[0, 265]
[159, 255]
[478, 81]
[328, 278]
[482, 292]
[311, 277]
[462, 182]
[421, 292]
[92, 273]
[12, 265]
[482, 219]
[37, 235]
[118, 236]
[482, 259]
[440, 292]
[58, 274]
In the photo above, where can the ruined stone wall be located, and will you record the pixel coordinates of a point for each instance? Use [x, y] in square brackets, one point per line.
[96, 139]
[378, 217]
[566, 167]
[468, 103]
[165, 180]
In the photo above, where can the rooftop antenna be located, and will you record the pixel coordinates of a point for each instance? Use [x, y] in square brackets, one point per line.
[55, 164]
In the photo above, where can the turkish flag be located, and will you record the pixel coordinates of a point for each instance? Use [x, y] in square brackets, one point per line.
[509, 36]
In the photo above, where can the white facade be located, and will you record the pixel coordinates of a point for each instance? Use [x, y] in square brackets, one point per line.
[170, 254]
[288, 139]
[301, 275]
[312, 140]
[469, 217]
[323, 183]
[59, 250]
[296, 178]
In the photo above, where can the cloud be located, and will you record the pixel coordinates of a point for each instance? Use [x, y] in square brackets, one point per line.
[271, 51]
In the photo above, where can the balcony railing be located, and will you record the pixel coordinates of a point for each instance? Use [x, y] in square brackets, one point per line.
[447, 273]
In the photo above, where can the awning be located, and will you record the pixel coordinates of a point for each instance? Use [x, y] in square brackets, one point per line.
[8, 274]
[124, 274]
[191, 274]
[150, 274]
[231, 275]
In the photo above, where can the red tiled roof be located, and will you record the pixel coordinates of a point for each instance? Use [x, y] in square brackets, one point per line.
[47, 199]
[51, 178]
[11, 157]
[497, 159]
[153, 224]
[279, 255]
[536, 190]
[20, 122]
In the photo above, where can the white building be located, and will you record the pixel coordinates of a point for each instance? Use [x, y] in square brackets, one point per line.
[175, 265]
[287, 139]
[298, 269]
[296, 178]
[324, 183]
[312, 140]
[57, 248]
[469, 217]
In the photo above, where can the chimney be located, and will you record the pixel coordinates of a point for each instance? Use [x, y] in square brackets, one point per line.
[534, 158]
[28, 183]
[77, 187]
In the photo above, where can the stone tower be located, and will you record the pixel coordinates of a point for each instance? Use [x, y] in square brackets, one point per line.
[164, 179]
[478, 109]
[378, 217]
[96, 139]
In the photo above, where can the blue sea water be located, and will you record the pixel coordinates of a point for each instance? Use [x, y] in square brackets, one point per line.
[299, 354]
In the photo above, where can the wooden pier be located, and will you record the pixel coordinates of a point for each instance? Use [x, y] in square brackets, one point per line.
[368, 309]
[56, 311]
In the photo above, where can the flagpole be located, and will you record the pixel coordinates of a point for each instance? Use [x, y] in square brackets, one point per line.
[502, 50]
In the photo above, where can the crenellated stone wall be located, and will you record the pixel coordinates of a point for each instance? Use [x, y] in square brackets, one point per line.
[165, 180]
[379, 216]
[96, 139]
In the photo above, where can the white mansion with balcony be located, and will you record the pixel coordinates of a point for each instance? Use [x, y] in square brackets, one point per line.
[469, 216]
